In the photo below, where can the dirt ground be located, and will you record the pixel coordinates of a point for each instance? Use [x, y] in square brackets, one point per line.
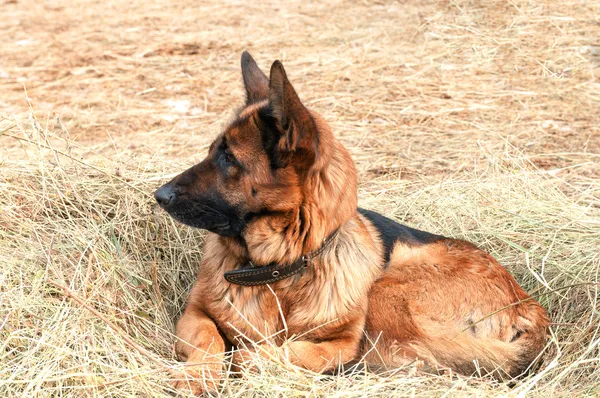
[414, 88]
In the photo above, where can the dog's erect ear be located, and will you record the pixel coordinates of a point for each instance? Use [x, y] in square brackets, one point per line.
[296, 125]
[255, 81]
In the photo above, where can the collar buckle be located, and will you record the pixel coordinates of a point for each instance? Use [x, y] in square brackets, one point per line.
[305, 261]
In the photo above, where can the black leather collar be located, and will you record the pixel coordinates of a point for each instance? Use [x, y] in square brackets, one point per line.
[251, 275]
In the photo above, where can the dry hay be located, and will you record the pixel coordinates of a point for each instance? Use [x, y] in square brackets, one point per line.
[472, 119]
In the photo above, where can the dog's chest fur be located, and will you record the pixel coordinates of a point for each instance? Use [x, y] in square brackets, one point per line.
[334, 287]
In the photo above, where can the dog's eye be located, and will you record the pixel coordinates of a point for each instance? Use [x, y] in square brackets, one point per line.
[228, 157]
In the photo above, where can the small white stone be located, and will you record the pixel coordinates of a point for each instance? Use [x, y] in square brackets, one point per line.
[25, 42]
[593, 50]
[565, 129]
[549, 124]
[178, 106]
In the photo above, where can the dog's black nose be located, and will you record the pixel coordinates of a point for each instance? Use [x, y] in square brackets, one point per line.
[164, 195]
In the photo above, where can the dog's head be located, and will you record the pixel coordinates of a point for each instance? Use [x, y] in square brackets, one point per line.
[261, 165]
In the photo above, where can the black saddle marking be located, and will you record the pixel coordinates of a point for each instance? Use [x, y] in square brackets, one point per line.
[391, 232]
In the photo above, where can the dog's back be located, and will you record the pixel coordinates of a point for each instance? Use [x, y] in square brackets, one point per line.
[391, 232]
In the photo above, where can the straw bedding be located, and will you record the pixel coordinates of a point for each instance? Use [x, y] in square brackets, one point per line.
[477, 120]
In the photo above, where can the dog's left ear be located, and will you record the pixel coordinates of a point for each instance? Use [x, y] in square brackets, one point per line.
[256, 82]
[298, 133]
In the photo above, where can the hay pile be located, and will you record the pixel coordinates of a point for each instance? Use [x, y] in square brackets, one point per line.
[475, 120]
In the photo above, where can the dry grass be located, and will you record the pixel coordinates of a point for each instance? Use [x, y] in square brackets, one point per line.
[471, 119]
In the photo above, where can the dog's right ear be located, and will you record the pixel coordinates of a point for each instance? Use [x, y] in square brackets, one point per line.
[298, 139]
[256, 82]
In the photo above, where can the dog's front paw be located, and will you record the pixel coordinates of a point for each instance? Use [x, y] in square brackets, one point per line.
[242, 360]
[248, 360]
[197, 378]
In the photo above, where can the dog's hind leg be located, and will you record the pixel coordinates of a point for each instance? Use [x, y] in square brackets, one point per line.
[454, 306]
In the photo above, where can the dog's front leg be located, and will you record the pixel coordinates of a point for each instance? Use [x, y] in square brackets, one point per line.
[200, 344]
[323, 356]
[317, 357]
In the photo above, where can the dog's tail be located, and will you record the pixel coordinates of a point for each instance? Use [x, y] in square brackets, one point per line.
[506, 358]
[466, 355]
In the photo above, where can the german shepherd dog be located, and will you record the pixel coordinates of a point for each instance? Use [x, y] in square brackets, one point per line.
[289, 253]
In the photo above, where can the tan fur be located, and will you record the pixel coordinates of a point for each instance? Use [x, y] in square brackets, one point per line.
[251, 109]
[457, 306]
[447, 303]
